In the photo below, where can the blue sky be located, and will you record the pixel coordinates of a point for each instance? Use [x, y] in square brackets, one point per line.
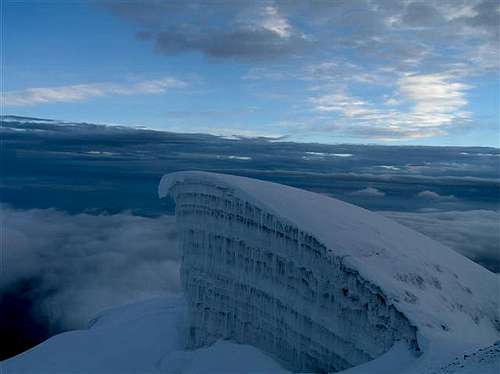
[378, 71]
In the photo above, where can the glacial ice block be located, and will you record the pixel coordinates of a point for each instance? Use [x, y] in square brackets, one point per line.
[320, 284]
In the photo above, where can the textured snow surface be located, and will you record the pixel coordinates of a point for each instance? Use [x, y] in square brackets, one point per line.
[483, 360]
[398, 361]
[382, 266]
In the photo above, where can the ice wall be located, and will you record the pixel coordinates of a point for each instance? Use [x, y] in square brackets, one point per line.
[254, 279]
[319, 284]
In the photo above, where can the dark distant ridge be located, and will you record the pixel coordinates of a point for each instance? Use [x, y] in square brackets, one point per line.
[239, 137]
[14, 117]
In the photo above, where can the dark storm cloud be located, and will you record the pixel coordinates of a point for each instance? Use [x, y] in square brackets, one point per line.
[475, 233]
[73, 266]
[391, 30]
[219, 30]
[245, 44]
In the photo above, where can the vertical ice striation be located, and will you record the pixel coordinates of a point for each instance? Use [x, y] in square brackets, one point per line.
[313, 295]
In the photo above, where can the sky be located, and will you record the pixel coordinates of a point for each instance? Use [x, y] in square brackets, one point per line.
[364, 71]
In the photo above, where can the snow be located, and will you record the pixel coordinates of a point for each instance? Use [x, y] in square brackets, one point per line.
[483, 360]
[447, 302]
[221, 357]
[451, 301]
[144, 337]
[147, 329]
[147, 337]
[398, 361]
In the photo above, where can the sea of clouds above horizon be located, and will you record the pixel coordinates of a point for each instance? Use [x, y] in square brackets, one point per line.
[85, 230]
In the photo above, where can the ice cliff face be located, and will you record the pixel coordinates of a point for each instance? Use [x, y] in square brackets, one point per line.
[318, 283]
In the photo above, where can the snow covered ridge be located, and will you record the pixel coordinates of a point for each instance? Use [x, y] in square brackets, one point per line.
[318, 283]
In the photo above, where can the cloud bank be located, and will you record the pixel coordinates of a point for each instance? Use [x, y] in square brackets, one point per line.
[60, 270]
[369, 192]
[474, 233]
[85, 263]
[431, 195]
[422, 105]
[73, 266]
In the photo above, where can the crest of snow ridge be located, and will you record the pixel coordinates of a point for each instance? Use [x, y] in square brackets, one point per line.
[443, 295]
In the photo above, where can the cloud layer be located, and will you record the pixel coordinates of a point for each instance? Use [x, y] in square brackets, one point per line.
[474, 233]
[281, 27]
[73, 266]
[321, 71]
[370, 69]
[80, 167]
[81, 92]
[431, 195]
[421, 106]
[60, 270]
[369, 192]
[235, 30]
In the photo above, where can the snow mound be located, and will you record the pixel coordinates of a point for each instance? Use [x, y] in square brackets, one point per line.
[144, 337]
[319, 283]
[128, 339]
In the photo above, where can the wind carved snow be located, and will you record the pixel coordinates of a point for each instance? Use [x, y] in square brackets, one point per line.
[319, 284]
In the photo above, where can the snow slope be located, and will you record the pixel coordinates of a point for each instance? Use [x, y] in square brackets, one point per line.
[450, 301]
[483, 360]
[399, 361]
[127, 339]
[145, 337]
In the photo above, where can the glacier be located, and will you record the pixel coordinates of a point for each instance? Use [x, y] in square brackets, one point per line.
[280, 280]
[319, 284]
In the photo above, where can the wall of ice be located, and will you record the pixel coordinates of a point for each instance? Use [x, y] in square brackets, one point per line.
[253, 278]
